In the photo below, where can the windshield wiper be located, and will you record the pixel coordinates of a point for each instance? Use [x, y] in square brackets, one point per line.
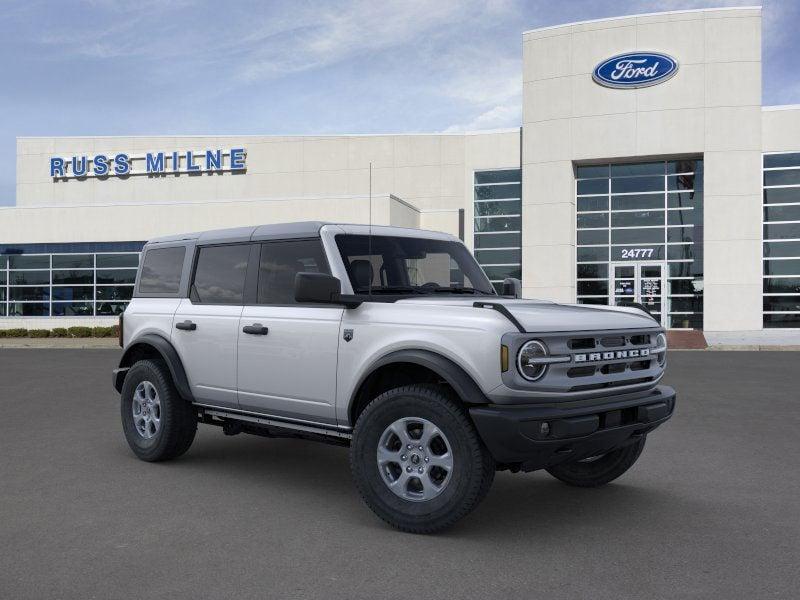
[457, 290]
[390, 289]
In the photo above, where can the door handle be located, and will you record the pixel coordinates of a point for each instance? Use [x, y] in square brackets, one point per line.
[186, 326]
[256, 329]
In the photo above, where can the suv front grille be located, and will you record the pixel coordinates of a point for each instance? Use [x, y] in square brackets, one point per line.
[581, 343]
[613, 342]
[611, 360]
[610, 384]
[599, 360]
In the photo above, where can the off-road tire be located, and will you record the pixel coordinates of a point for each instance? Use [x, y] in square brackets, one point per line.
[178, 419]
[601, 471]
[473, 467]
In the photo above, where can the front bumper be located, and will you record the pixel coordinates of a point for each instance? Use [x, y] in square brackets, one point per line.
[535, 437]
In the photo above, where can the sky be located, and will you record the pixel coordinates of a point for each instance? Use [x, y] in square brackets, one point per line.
[161, 67]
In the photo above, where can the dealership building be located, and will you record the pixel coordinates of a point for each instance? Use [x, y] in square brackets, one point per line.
[645, 169]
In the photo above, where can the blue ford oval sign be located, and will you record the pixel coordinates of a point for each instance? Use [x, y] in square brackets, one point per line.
[635, 70]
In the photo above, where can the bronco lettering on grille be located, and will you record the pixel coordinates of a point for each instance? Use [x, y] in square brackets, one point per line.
[616, 355]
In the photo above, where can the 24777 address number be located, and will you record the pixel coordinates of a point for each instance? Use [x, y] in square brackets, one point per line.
[637, 253]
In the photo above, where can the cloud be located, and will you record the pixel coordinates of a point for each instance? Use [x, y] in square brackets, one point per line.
[490, 90]
[105, 29]
[327, 35]
[497, 117]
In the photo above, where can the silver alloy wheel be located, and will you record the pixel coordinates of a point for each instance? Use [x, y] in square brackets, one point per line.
[415, 459]
[146, 409]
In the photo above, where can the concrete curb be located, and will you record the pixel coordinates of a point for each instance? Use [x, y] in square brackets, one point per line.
[740, 348]
[755, 347]
[66, 343]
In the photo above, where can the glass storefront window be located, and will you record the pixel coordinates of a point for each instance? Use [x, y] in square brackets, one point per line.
[116, 276]
[115, 292]
[110, 308]
[781, 259]
[498, 257]
[638, 218]
[29, 277]
[648, 216]
[499, 176]
[29, 293]
[593, 220]
[73, 261]
[111, 261]
[487, 209]
[631, 169]
[72, 309]
[28, 309]
[637, 184]
[70, 292]
[592, 171]
[497, 223]
[29, 261]
[75, 277]
[497, 191]
[66, 284]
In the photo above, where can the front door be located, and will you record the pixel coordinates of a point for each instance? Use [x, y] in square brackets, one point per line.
[639, 282]
[288, 351]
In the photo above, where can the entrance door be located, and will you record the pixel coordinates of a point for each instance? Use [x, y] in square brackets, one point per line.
[639, 282]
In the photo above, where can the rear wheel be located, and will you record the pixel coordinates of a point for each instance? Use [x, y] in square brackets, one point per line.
[158, 423]
[599, 470]
[417, 460]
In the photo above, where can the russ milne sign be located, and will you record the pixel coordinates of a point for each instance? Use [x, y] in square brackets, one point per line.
[635, 70]
[151, 163]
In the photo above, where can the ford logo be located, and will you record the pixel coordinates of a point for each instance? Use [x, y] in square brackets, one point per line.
[635, 70]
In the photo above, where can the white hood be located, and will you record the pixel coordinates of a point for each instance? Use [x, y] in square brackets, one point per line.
[543, 316]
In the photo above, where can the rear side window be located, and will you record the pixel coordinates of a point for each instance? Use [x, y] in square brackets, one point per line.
[280, 262]
[161, 271]
[220, 274]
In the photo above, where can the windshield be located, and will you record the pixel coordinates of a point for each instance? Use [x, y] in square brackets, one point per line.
[409, 265]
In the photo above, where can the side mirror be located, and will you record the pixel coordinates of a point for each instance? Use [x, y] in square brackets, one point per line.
[321, 288]
[512, 287]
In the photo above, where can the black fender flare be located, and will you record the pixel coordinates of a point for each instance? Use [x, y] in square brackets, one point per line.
[167, 352]
[461, 382]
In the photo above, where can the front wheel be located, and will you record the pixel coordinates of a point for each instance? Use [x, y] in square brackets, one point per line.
[418, 461]
[599, 470]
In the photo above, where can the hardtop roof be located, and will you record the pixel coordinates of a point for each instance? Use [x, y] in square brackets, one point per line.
[278, 231]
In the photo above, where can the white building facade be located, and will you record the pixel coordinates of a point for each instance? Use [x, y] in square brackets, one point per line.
[646, 169]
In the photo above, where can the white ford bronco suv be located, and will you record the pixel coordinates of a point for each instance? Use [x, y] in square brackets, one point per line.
[394, 342]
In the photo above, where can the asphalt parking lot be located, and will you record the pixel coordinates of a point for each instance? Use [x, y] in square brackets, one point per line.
[711, 510]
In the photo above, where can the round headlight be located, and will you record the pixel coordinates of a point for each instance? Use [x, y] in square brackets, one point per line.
[526, 360]
[661, 342]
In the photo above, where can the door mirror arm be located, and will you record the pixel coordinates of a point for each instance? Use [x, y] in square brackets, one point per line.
[321, 288]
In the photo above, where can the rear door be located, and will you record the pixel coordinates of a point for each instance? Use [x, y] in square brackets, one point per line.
[206, 325]
[288, 351]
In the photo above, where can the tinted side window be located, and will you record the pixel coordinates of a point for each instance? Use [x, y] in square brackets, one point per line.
[161, 271]
[280, 262]
[220, 274]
